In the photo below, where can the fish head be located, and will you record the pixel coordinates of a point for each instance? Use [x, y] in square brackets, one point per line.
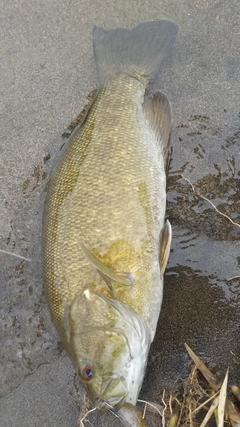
[100, 367]
[109, 344]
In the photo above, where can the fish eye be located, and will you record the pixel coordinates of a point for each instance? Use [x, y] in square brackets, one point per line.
[86, 372]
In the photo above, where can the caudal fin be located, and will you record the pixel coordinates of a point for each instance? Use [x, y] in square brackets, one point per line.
[138, 52]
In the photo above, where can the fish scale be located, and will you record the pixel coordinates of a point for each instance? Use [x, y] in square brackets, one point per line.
[103, 187]
[105, 243]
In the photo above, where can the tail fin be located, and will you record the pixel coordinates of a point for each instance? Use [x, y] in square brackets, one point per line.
[138, 52]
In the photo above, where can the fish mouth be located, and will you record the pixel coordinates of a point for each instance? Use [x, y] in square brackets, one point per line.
[110, 404]
[113, 393]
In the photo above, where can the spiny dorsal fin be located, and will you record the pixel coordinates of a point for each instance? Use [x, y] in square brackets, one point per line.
[165, 244]
[108, 275]
[157, 111]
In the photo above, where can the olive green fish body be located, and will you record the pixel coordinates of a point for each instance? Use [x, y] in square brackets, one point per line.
[104, 235]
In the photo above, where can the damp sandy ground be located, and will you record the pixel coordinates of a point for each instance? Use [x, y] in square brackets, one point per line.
[47, 71]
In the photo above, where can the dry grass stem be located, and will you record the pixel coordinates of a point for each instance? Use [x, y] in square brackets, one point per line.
[157, 408]
[170, 403]
[144, 411]
[232, 278]
[15, 255]
[210, 412]
[192, 396]
[209, 201]
[222, 401]
[205, 403]
[80, 421]
[85, 409]
[211, 379]
[164, 409]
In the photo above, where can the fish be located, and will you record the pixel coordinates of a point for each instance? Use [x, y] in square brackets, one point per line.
[105, 240]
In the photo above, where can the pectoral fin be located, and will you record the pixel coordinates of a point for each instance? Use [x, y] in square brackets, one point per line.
[108, 275]
[165, 244]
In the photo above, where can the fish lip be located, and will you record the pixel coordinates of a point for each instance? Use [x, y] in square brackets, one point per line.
[111, 402]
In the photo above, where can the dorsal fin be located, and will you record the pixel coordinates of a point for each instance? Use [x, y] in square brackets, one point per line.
[157, 111]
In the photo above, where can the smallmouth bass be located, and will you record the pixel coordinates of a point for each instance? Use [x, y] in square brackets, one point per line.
[105, 240]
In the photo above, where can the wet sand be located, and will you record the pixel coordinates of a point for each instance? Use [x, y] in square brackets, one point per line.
[47, 72]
